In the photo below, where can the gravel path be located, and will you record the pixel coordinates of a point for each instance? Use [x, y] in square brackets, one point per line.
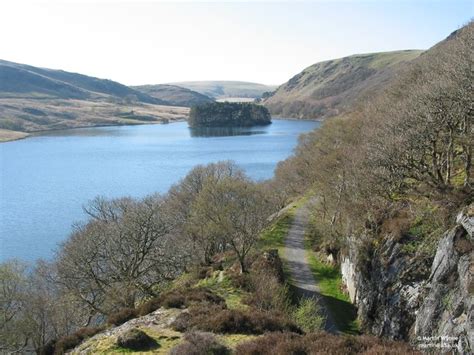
[301, 276]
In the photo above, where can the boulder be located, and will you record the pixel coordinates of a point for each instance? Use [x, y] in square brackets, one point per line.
[136, 339]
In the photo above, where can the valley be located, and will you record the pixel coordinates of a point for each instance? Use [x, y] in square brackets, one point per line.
[331, 214]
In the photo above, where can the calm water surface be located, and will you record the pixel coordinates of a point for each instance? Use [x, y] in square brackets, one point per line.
[45, 180]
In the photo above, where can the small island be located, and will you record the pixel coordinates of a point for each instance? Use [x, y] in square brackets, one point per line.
[229, 114]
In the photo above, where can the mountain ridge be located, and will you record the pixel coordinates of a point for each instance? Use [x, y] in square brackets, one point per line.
[174, 95]
[219, 89]
[19, 79]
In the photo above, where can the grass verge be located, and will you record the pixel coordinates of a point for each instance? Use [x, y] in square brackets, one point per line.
[330, 284]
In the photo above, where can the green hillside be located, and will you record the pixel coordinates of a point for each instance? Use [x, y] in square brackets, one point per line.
[329, 88]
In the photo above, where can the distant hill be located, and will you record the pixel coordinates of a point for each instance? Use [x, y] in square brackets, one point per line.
[329, 88]
[225, 89]
[36, 99]
[25, 81]
[174, 95]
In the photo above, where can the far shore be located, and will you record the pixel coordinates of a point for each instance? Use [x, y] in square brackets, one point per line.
[10, 136]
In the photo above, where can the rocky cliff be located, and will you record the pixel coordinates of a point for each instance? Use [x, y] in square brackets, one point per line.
[428, 302]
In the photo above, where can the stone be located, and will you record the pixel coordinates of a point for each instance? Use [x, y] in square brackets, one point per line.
[136, 339]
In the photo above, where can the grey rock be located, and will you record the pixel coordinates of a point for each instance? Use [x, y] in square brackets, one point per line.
[428, 302]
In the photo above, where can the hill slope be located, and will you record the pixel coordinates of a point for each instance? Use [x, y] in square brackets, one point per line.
[224, 89]
[37, 99]
[20, 80]
[329, 88]
[174, 95]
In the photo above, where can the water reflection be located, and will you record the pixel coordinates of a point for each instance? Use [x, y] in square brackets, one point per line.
[84, 132]
[225, 131]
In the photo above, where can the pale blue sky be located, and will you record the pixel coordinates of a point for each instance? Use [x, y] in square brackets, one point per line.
[156, 42]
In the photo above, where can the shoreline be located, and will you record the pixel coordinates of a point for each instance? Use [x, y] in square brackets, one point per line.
[297, 119]
[43, 132]
[25, 135]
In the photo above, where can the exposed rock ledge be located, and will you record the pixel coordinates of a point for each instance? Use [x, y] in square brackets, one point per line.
[401, 297]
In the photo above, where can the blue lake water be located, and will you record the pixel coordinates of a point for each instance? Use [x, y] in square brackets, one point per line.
[45, 180]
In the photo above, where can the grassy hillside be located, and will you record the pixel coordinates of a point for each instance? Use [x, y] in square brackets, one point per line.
[330, 88]
[37, 99]
[175, 95]
[224, 89]
[19, 116]
[25, 81]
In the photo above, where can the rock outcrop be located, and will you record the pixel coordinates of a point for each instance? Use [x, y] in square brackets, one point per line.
[428, 302]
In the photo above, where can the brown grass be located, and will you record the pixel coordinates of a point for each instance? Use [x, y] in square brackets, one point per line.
[8, 135]
[321, 343]
[218, 319]
[35, 115]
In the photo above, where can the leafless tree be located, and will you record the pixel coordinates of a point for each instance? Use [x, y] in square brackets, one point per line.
[234, 210]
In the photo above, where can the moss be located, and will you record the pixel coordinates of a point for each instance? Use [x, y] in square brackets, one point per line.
[425, 230]
[165, 338]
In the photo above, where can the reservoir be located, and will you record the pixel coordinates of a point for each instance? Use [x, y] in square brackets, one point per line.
[45, 180]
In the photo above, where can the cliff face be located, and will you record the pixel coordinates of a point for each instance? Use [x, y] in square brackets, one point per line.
[426, 302]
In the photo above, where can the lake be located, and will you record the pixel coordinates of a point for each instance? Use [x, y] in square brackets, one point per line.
[45, 180]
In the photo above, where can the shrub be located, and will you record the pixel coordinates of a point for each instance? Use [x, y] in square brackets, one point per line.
[218, 319]
[149, 306]
[241, 281]
[267, 292]
[182, 298]
[308, 316]
[122, 316]
[70, 341]
[273, 343]
[198, 343]
[65, 343]
[321, 343]
[136, 339]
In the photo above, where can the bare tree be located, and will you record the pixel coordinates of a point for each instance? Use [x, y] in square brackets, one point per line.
[119, 255]
[179, 201]
[13, 285]
[235, 210]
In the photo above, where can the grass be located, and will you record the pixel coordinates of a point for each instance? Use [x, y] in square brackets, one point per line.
[330, 284]
[274, 236]
[165, 338]
[328, 277]
[8, 135]
[232, 340]
[223, 287]
[17, 117]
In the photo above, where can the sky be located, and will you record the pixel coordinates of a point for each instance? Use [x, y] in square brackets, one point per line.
[154, 42]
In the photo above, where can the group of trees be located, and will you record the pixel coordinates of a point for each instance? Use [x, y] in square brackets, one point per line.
[408, 146]
[411, 143]
[223, 114]
[127, 251]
